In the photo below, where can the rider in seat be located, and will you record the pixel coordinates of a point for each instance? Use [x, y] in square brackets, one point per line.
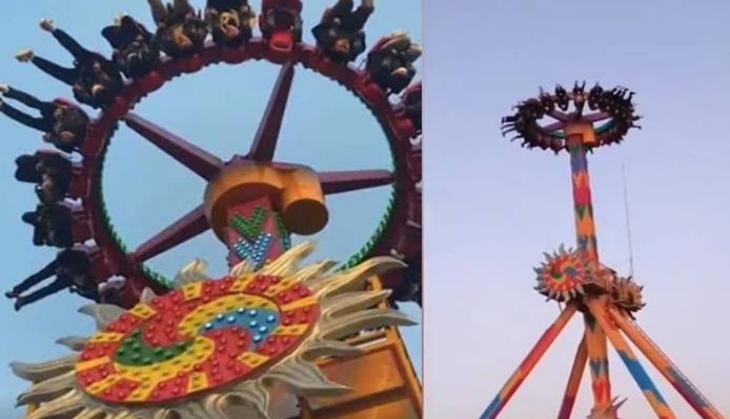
[340, 34]
[51, 225]
[281, 23]
[95, 80]
[50, 172]
[181, 30]
[409, 289]
[390, 63]
[231, 21]
[135, 51]
[63, 124]
[412, 102]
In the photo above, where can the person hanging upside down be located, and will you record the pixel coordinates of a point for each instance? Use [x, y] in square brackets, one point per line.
[410, 288]
[50, 172]
[340, 34]
[181, 30]
[51, 225]
[64, 125]
[412, 102]
[390, 63]
[135, 52]
[70, 268]
[281, 23]
[95, 79]
[231, 21]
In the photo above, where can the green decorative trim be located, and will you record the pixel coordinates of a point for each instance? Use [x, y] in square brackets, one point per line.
[250, 228]
[367, 250]
[283, 232]
[150, 274]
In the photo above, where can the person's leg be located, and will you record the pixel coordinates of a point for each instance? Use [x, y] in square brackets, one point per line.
[59, 284]
[342, 8]
[59, 225]
[66, 75]
[29, 100]
[39, 232]
[34, 279]
[362, 13]
[80, 53]
[39, 123]
[27, 169]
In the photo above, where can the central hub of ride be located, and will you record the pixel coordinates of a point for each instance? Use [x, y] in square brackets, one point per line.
[254, 207]
[294, 191]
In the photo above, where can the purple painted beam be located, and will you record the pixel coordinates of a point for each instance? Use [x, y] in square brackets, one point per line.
[191, 156]
[338, 182]
[596, 117]
[190, 225]
[264, 144]
[554, 127]
[561, 116]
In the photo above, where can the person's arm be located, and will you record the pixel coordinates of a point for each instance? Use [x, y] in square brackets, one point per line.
[159, 11]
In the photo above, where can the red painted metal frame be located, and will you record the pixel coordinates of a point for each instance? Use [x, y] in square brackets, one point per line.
[402, 236]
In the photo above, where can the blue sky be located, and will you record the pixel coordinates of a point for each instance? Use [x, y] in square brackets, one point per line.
[492, 208]
[219, 109]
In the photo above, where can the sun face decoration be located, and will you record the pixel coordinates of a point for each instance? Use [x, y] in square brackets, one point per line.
[563, 274]
[213, 348]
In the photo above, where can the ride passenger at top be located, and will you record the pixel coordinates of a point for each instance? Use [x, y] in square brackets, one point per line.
[135, 51]
[51, 225]
[231, 21]
[50, 172]
[64, 124]
[95, 79]
[181, 30]
[340, 34]
[390, 62]
[412, 103]
[281, 23]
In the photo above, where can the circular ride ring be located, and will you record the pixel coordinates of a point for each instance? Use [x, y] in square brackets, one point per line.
[399, 233]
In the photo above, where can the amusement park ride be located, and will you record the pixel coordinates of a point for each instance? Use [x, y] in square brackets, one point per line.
[577, 277]
[271, 339]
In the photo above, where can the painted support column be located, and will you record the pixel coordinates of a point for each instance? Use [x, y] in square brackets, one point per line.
[574, 379]
[578, 135]
[661, 362]
[528, 364]
[650, 391]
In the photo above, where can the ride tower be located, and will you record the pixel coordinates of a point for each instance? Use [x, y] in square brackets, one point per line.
[583, 121]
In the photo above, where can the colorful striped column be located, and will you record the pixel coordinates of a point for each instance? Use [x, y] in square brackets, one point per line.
[655, 399]
[528, 363]
[585, 228]
[576, 376]
[662, 363]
